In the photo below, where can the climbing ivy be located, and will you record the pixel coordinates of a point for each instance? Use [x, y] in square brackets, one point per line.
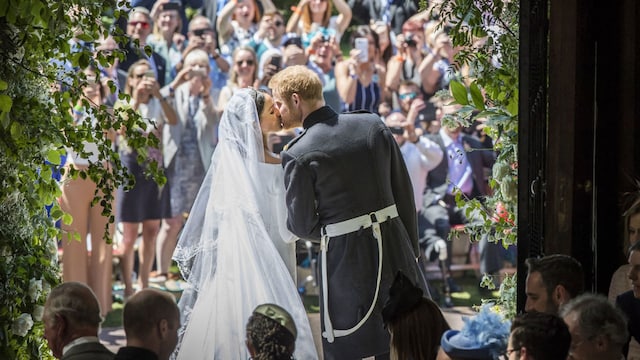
[486, 31]
[43, 44]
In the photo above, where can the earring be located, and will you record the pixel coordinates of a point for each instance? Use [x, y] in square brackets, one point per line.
[281, 125]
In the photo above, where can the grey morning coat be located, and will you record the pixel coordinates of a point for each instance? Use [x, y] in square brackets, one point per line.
[338, 168]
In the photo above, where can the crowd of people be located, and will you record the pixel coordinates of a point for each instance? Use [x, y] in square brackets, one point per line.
[268, 132]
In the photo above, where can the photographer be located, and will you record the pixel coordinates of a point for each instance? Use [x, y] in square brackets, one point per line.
[270, 64]
[201, 35]
[405, 65]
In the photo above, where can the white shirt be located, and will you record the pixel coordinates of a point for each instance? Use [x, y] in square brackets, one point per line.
[420, 157]
[79, 341]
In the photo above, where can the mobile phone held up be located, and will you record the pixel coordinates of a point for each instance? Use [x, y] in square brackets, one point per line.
[198, 72]
[276, 60]
[362, 44]
[150, 74]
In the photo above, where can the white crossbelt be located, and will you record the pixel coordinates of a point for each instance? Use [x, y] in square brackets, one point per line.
[373, 220]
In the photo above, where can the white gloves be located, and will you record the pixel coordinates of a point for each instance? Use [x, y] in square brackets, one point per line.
[441, 247]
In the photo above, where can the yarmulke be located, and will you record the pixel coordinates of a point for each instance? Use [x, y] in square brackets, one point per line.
[279, 315]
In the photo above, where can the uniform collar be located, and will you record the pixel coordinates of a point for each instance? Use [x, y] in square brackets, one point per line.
[319, 115]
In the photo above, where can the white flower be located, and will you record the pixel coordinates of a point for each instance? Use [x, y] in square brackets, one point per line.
[35, 289]
[37, 313]
[22, 325]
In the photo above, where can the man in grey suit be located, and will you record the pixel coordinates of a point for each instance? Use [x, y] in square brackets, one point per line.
[71, 322]
[348, 188]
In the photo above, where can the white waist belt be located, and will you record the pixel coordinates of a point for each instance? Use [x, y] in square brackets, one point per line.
[373, 220]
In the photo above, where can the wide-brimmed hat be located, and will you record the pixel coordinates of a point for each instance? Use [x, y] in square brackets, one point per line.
[483, 336]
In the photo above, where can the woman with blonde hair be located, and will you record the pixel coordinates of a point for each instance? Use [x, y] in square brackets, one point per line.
[312, 16]
[244, 73]
[187, 149]
[238, 22]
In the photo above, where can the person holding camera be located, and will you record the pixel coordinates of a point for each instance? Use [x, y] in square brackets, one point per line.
[419, 153]
[322, 51]
[187, 149]
[360, 81]
[270, 34]
[201, 35]
[406, 64]
[166, 25]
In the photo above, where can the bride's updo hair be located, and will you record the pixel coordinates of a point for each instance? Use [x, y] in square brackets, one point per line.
[258, 98]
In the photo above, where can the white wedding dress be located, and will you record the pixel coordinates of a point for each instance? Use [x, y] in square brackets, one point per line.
[235, 251]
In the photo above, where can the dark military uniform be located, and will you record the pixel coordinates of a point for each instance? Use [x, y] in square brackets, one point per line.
[342, 167]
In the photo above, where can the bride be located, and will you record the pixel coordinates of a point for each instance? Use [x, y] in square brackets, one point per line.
[235, 250]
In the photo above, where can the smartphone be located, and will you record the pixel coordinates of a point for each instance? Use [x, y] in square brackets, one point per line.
[171, 6]
[150, 74]
[198, 72]
[276, 60]
[362, 44]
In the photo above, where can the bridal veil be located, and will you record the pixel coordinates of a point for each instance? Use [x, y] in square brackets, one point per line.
[225, 253]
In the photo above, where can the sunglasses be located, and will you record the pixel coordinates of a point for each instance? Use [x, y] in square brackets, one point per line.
[398, 130]
[248, 62]
[143, 24]
[410, 96]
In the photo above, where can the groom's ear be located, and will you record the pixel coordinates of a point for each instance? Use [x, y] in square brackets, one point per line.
[295, 98]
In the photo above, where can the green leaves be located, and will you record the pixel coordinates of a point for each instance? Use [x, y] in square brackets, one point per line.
[459, 92]
[5, 103]
[476, 96]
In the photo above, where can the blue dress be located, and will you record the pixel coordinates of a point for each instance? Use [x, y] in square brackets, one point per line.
[367, 97]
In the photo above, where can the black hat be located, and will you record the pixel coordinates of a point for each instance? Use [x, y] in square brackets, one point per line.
[404, 296]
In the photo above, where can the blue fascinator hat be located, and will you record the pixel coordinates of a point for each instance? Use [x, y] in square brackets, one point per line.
[484, 336]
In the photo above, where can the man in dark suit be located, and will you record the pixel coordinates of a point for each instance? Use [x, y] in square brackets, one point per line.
[347, 187]
[629, 302]
[151, 320]
[462, 169]
[139, 26]
[71, 322]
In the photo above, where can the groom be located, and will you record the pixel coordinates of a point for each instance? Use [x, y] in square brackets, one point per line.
[347, 187]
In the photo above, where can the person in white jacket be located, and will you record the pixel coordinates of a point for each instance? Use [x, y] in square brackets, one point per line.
[420, 154]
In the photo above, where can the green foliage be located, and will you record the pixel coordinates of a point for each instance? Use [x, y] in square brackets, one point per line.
[36, 126]
[486, 31]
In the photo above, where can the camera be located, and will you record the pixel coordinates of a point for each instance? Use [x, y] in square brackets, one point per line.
[201, 72]
[410, 41]
[200, 32]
